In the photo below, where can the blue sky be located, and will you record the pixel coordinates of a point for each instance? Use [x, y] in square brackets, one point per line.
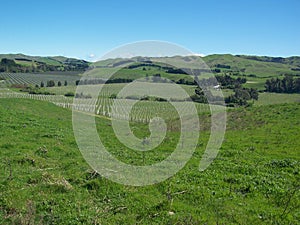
[80, 28]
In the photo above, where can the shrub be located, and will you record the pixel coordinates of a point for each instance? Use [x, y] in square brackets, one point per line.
[69, 94]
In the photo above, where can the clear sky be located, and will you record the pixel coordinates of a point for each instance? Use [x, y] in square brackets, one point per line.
[81, 28]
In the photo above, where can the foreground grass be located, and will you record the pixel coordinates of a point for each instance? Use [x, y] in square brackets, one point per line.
[44, 179]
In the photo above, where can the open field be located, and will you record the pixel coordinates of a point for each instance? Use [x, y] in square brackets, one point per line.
[255, 178]
[276, 98]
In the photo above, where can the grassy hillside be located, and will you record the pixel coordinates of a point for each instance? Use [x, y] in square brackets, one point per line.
[44, 179]
[253, 66]
[26, 63]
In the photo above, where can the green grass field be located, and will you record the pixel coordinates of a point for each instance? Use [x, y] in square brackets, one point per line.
[44, 179]
[276, 98]
[259, 68]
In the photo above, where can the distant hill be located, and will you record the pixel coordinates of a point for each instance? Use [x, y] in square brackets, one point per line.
[26, 64]
[237, 65]
[260, 66]
[243, 65]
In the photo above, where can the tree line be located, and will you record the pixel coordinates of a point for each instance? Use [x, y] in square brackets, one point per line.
[225, 81]
[51, 83]
[241, 96]
[94, 81]
[286, 85]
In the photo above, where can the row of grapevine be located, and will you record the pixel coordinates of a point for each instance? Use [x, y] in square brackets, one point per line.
[36, 79]
[141, 111]
[56, 99]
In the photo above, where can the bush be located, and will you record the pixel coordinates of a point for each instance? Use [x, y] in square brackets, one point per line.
[241, 96]
[69, 94]
[113, 96]
[81, 95]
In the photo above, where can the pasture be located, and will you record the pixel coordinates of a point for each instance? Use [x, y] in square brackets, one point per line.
[255, 178]
[44, 178]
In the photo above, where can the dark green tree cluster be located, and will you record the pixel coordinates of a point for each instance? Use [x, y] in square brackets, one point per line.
[225, 81]
[223, 66]
[35, 90]
[185, 81]
[94, 81]
[229, 82]
[10, 66]
[51, 83]
[205, 96]
[286, 85]
[118, 80]
[175, 71]
[241, 96]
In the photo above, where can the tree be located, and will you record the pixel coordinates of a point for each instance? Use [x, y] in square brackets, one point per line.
[66, 83]
[42, 84]
[50, 83]
[241, 96]
[240, 93]
[253, 93]
[296, 86]
[199, 96]
[58, 83]
[287, 85]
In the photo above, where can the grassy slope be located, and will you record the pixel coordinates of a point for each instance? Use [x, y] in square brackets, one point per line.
[55, 61]
[276, 98]
[252, 180]
[29, 61]
[260, 68]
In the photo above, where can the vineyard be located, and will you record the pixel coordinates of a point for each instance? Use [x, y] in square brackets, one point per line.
[36, 79]
[106, 103]
[142, 111]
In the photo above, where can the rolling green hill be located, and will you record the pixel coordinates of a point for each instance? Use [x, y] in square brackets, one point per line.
[239, 65]
[256, 69]
[24, 63]
[253, 66]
